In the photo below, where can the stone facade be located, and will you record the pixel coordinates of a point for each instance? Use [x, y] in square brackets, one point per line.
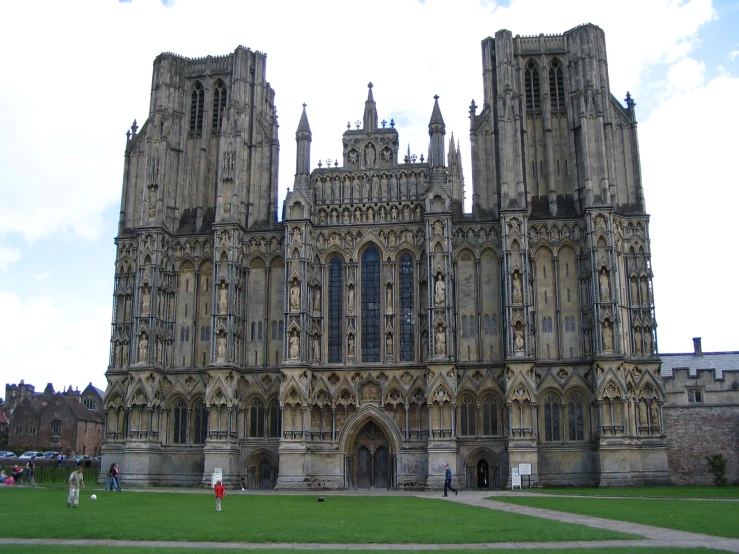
[701, 413]
[378, 331]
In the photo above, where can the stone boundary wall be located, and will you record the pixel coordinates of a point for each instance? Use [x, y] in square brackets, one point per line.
[694, 432]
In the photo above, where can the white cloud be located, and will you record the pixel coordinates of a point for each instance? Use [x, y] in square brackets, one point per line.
[688, 151]
[42, 276]
[733, 54]
[8, 256]
[685, 75]
[44, 342]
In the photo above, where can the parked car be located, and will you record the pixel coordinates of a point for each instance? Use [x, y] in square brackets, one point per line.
[51, 454]
[7, 454]
[80, 457]
[31, 454]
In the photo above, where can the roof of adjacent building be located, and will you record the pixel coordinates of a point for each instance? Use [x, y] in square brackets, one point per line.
[708, 361]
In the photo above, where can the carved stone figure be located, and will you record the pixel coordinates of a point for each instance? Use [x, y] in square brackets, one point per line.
[316, 300]
[439, 290]
[605, 290]
[316, 348]
[516, 288]
[389, 299]
[295, 297]
[294, 346]
[370, 155]
[440, 340]
[223, 299]
[221, 347]
[350, 348]
[143, 347]
[607, 336]
[145, 301]
[518, 341]
[350, 300]
[389, 344]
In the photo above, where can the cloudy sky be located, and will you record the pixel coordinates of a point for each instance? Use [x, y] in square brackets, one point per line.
[77, 73]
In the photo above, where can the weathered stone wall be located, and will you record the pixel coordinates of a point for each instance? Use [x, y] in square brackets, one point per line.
[694, 432]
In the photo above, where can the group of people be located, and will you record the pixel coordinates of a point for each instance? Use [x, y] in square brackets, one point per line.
[19, 475]
[77, 482]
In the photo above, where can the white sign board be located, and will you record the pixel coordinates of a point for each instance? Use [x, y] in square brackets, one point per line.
[515, 481]
[217, 476]
[524, 469]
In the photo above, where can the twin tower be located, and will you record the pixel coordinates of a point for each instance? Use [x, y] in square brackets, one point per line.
[378, 331]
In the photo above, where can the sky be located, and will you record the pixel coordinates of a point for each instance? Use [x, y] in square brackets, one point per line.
[77, 73]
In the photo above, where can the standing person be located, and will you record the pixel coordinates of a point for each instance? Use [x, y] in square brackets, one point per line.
[114, 480]
[59, 459]
[76, 481]
[30, 465]
[448, 481]
[220, 491]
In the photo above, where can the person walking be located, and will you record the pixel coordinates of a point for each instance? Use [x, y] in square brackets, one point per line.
[76, 481]
[30, 466]
[448, 481]
[220, 491]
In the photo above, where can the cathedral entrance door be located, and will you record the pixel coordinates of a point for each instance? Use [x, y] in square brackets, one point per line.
[483, 475]
[372, 468]
[265, 475]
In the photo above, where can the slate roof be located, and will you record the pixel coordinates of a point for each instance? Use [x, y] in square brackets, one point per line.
[709, 361]
[82, 412]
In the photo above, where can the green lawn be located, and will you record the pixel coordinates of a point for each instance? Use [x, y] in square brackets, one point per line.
[649, 492]
[40, 549]
[710, 517]
[42, 513]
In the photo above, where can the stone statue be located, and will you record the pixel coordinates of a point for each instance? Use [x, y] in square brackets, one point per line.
[389, 300]
[605, 290]
[295, 297]
[370, 155]
[439, 290]
[376, 187]
[389, 344]
[294, 346]
[351, 346]
[654, 414]
[316, 348]
[607, 336]
[518, 341]
[125, 354]
[516, 286]
[143, 347]
[221, 347]
[316, 300]
[145, 301]
[438, 228]
[648, 348]
[440, 348]
[350, 301]
[223, 298]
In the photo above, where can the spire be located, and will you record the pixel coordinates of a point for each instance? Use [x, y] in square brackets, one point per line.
[304, 126]
[370, 111]
[437, 130]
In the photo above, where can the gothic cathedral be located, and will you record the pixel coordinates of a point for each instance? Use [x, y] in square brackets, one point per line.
[377, 331]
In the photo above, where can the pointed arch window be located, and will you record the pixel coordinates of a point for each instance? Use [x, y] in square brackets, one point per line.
[407, 325]
[219, 106]
[490, 416]
[200, 423]
[575, 418]
[468, 416]
[335, 297]
[556, 86]
[274, 419]
[179, 416]
[551, 418]
[197, 104]
[256, 418]
[371, 305]
[533, 94]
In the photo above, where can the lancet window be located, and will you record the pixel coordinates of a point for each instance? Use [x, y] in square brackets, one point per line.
[551, 418]
[556, 87]
[533, 94]
[197, 103]
[335, 297]
[575, 418]
[371, 305]
[219, 106]
[199, 423]
[407, 343]
[179, 417]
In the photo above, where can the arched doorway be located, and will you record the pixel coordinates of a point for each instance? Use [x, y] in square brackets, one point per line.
[483, 474]
[483, 469]
[369, 464]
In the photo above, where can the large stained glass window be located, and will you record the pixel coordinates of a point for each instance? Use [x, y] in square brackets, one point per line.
[335, 327]
[407, 344]
[371, 305]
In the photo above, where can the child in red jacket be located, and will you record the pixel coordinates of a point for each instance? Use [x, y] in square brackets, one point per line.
[220, 493]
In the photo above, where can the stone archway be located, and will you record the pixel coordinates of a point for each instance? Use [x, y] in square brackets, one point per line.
[261, 470]
[482, 469]
[369, 464]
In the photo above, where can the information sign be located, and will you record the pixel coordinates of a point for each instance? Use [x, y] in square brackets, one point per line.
[524, 469]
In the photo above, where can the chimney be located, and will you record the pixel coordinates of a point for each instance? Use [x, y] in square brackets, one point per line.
[697, 349]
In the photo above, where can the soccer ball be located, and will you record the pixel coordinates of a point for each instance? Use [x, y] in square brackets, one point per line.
[94, 497]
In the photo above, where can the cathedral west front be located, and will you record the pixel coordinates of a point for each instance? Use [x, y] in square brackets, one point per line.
[376, 331]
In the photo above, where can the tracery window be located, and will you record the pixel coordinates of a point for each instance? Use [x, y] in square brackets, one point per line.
[274, 330]
[219, 106]
[575, 418]
[253, 331]
[490, 415]
[487, 324]
[472, 326]
[256, 418]
[197, 103]
[199, 423]
[495, 324]
[259, 331]
[464, 325]
[281, 329]
[371, 305]
[556, 86]
[551, 418]
[274, 419]
[407, 325]
[533, 97]
[179, 417]
[467, 416]
[335, 305]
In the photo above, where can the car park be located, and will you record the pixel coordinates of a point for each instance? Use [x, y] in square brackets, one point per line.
[51, 454]
[30, 454]
[7, 454]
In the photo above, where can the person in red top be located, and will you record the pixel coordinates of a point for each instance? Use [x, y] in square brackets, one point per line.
[220, 493]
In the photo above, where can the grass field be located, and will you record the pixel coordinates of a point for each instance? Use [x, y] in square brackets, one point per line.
[649, 492]
[710, 517]
[39, 549]
[42, 513]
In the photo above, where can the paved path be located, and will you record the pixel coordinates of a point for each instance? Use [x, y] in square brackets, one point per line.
[653, 536]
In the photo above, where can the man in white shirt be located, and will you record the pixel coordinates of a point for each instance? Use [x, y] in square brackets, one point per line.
[76, 481]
